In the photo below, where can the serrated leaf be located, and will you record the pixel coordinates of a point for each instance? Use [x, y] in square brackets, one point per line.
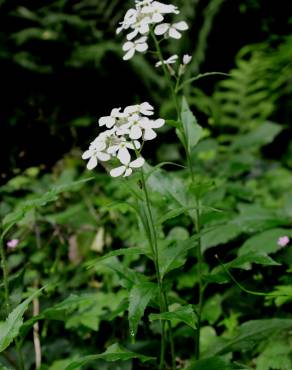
[114, 353]
[193, 131]
[139, 297]
[183, 314]
[174, 256]
[9, 329]
[252, 332]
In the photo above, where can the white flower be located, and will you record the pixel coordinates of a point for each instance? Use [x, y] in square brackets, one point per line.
[148, 126]
[130, 47]
[168, 61]
[187, 59]
[121, 149]
[143, 108]
[127, 168]
[95, 153]
[171, 30]
[129, 19]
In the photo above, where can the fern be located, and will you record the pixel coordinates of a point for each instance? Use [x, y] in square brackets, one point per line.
[249, 96]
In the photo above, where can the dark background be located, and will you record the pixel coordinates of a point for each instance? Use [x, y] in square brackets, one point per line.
[61, 67]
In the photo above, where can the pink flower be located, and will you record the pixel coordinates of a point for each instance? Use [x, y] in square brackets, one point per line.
[12, 243]
[283, 241]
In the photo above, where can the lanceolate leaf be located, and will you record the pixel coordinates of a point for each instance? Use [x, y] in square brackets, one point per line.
[9, 329]
[172, 257]
[193, 131]
[139, 297]
[183, 314]
[119, 252]
[252, 332]
[114, 353]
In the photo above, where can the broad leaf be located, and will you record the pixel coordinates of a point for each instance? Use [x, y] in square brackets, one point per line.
[183, 314]
[9, 329]
[220, 234]
[114, 353]
[262, 135]
[174, 256]
[140, 296]
[252, 332]
[193, 131]
[265, 242]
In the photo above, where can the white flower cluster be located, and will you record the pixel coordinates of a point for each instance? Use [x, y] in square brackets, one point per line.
[125, 131]
[139, 20]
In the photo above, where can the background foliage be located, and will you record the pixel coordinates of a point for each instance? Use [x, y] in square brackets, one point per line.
[61, 68]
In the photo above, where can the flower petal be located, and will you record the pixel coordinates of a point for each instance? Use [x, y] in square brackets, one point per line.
[128, 45]
[128, 172]
[129, 54]
[116, 172]
[158, 123]
[139, 162]
[103, 156]
[174, 33]
[124, 155]
[182, 26]
[141, 47]
[149, 134]
[92, 163]
[135, 133]
[87, 154]
[161, 29]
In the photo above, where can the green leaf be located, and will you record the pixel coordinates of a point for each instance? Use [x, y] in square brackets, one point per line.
[171, 257]
[9, 329]
[139, 297]
[214, 363]
[183, 314]
[220, 234]
[175, 213]
[114, 353]
[133, 251]
[265, 242]
[244, 262]
[254, 218]
[252, 332]
[262, 135]
[193, 131]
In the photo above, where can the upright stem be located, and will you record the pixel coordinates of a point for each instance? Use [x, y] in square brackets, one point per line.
[174, 90]
[154, 248]
[162, 294]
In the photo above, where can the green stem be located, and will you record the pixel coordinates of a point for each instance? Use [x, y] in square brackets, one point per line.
[153, 244]
[5, 276]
